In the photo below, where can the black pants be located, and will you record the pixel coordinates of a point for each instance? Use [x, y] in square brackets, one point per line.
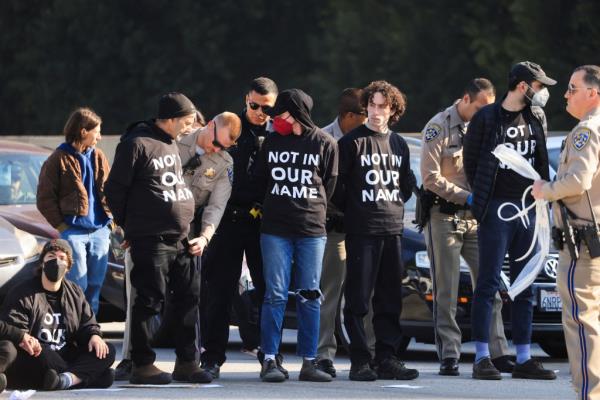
[27, 372]
[374, 265]
[221, 273]
[159, 266]
[8, 354]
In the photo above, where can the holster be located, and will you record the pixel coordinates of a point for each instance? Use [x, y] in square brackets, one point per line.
[589, 235]
[423, 207]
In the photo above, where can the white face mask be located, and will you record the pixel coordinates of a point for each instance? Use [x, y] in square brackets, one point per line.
[540, 98]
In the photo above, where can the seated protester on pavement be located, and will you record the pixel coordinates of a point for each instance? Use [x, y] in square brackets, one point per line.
[54, 310]
[10, 339]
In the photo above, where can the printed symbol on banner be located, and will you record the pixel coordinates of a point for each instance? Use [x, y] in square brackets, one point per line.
[230, 174]
[580, 138]
[210, 172]
[432, 131]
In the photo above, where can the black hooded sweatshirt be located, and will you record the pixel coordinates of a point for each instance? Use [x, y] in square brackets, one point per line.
[297, 172]
[145, 188]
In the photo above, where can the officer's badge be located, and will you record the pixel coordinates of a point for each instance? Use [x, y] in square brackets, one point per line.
[210, 173]
[230, 174]
[432, 131]
[581, 138]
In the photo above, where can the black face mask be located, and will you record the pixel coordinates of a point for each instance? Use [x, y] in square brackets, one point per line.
[55, 270]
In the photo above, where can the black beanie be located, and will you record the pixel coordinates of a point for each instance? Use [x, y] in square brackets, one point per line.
[175, 105]
[54, 245]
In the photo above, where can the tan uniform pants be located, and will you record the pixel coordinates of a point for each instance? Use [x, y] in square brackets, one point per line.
[333, 275]
[446, 241]
[579, 288]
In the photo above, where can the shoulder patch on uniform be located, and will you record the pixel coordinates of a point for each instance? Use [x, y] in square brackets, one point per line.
[432, 131]
[581, 138]
[230, 174]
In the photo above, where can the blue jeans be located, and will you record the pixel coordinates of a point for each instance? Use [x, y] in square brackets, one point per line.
[496, 238]
[90, 260]
[307, 254]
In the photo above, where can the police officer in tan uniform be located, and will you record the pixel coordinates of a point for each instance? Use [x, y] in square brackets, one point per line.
[452, 229]
[579, 278]
[208, 172]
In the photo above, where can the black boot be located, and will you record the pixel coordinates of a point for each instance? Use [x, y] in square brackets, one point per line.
[484, 369]
[310, 372]
[190, 371]
[149, 375]
[270, 373]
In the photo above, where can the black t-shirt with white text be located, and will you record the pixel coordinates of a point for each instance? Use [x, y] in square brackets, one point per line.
[517, 136]
[52, 330]
[298, 175]
[375, 176]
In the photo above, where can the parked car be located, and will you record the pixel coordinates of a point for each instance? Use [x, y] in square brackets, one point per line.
[20, 165]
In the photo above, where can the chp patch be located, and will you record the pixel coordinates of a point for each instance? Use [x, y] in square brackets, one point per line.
[581, 138]
[230, 174]
[432, 131]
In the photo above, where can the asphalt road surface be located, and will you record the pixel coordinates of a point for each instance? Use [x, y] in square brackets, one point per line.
[239, 380]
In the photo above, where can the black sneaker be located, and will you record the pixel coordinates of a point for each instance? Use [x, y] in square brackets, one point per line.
[326, 365]
[504, 364]
[392, 368]
[212, 368]
[532, 369]
[484, 369]
[123, 370]
[362, 372]
[310, 372]
[270, 372]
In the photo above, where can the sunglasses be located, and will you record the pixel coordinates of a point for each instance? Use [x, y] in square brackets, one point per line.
[216, 142]
[256, 106]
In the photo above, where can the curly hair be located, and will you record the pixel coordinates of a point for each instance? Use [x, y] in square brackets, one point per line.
[393, 96]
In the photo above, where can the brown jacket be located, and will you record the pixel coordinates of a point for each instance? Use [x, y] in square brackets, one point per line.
[61, 191]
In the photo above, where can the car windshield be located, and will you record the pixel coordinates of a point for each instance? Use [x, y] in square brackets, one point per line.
[19, 174]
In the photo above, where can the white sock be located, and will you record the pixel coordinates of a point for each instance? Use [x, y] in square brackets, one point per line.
[270, 357]
[309, 358]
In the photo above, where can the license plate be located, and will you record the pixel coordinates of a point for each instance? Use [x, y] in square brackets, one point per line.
[549, 301]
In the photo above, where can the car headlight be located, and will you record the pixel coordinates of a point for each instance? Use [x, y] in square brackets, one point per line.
[422, 261]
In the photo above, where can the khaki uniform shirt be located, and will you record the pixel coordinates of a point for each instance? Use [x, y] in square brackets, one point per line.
[210, 182]
[442, 156]
[578, 172]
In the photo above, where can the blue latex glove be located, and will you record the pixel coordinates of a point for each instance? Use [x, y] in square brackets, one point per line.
[470, 199]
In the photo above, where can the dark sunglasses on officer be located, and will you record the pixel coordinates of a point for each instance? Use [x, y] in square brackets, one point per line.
[255, 106]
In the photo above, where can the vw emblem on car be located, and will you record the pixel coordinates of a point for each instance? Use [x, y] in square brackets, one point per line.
[550, 267]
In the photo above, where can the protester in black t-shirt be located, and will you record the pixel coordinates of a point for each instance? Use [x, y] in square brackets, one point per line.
[375, 181]
[517, 121]
[54, 310]
[298, 167]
